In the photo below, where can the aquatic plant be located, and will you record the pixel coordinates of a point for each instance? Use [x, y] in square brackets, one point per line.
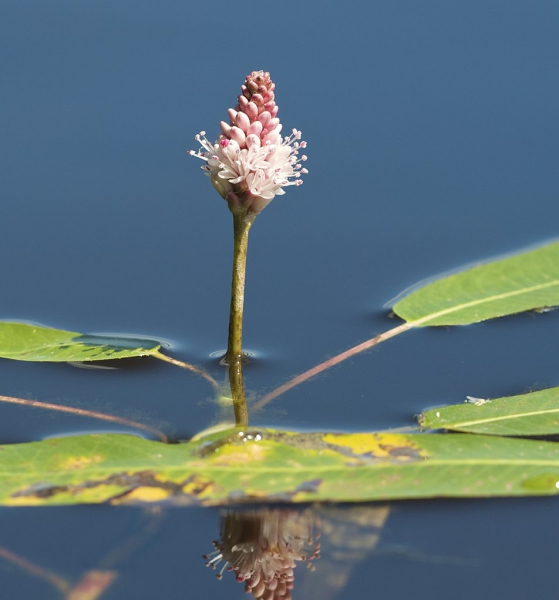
[249, 164]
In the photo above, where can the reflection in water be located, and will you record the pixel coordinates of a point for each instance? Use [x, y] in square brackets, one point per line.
[262, 547]
[349, 535]
[92, 583]
[91, 586]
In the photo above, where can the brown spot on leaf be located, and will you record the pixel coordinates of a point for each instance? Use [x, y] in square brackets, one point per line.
[309, 487]
[384, 447]
[137, 488]
[196, 485]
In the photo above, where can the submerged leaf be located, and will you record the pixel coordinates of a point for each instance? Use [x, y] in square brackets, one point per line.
[274, 466]
[526, 415]
[522, 282]
[21, 341]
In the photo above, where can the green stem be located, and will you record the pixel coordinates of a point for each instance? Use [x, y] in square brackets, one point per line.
[331, 362]
[241, 227]
[235, 356]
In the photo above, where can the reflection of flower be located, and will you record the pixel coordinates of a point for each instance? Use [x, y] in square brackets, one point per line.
[262, 547]
[250, 162]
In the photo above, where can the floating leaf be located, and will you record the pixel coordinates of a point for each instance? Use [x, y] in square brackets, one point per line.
[274, 466]
[503, 287]
[529, 414]
[21, 341]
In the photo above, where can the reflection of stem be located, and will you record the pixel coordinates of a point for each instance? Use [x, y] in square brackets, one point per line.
[332, 362]
[189, 367]
[238, 394]
[56, 580]
[92, 585]
[133, 543]
[241, 227]
[95, 583]
[85, 413]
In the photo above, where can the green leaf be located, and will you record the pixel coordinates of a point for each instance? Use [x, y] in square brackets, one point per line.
[526, 415]
[21, 341]
[274, 466]
[503, 287]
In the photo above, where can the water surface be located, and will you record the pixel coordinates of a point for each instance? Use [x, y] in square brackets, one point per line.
[433, 142]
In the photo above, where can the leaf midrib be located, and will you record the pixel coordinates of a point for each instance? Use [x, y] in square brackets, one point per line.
[480, 301]
[314, 468]
[504, 418]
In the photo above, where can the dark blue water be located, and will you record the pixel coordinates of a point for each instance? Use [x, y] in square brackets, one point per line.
[433, 142]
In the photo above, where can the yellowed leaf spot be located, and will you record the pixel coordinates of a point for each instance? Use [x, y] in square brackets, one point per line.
[143, 494]
[24, 501]
[79, 462]
[377, 445]
[240, 455]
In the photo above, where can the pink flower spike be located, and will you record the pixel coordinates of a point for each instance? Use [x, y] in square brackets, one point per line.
[273, 123]
[225, 128]
[253, 141]
[264, 117]
[238, 135]
[255, 128]
[272, 138]
[251, 111]
[251, 85]
[242, 121]
[251, 162]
